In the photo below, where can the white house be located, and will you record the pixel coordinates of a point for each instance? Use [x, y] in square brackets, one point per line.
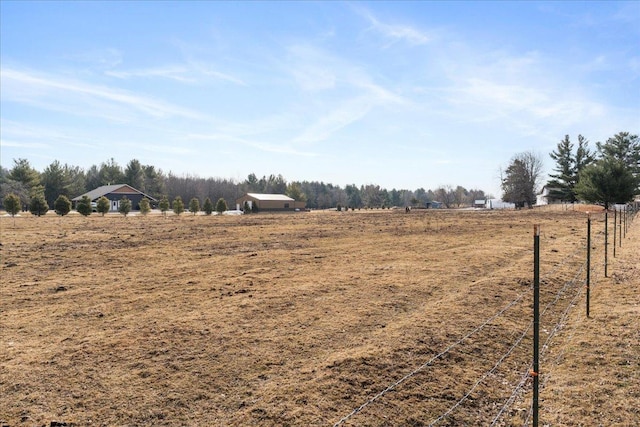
[545, 198]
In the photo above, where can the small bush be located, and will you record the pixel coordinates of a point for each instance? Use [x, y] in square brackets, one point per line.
[144, 205]
[103, 205]
[84, 206]
[208, 206]
[124, 207]
[221, 205]
[62, 205]
[164, 205]
[38, 205]
[12, 204]
[177, 205]
[194, 206]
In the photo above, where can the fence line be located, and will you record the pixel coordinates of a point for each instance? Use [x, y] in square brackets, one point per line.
[556, 328]
[565, 314]
[525, 376]
[567, 285]
[486, 374]
[429, 362]
[522, 336]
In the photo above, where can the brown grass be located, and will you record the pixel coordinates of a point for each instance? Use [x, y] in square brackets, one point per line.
[276, 320]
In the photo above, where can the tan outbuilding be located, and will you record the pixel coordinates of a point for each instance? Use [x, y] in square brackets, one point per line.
[270, 202]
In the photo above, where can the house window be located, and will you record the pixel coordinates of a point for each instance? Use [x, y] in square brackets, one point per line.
[286, 205]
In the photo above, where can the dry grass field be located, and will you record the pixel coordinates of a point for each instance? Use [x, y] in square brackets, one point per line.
[362, 318]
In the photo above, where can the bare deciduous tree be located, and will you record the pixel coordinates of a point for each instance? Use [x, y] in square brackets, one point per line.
[521, 179]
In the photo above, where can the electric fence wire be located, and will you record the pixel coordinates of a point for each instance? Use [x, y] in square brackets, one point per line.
[545, 346]
[524, 377]
[556, 328]
[427, 363]
[482, 378]
[469, 334]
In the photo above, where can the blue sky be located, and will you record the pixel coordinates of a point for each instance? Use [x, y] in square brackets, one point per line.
[400, 94]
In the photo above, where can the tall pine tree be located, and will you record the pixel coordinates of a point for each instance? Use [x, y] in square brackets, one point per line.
[626, 148]
[568, 168]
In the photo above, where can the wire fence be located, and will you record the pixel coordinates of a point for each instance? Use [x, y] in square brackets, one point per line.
[569, 276]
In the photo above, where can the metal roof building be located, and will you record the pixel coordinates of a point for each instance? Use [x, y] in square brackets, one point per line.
[270, 202]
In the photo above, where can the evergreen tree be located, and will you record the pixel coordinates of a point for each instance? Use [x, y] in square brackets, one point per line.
[23, 172]
[294, 190]
[154, 182]
[103, 205]
[62, 205]
[124, 207]
[110, 173]
[20, 180]
[178, 205]
[221, 205]
[134, 175]
[145, 207]
[54, 181]
[562, 183]
[92, 178]
[251, 184]
[626, 148]
[608, 181]
[84, 206]
[584, 157]
[568, 168]
[208, 206]
[12, 204]
[164, 205]
[246, 207]
[75, 181]
[38, 204]
[194, 205]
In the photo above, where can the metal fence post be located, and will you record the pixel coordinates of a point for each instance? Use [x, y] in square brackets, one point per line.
[615, 222]
[620, 231]
[588, 260]
[536, 320]
[606, 241]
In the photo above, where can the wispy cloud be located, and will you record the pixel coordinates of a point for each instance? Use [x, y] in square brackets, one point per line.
[33, 135]
[256, 144]
[209, 71]
[346, 92]
[166, 149]
[337, 118]
[312, 68]
[177, 73]
[99, 58]
[396, 32]
[22, 144]
[192, 72]
[42, 89]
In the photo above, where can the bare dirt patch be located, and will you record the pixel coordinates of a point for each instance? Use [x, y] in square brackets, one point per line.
[275, 320]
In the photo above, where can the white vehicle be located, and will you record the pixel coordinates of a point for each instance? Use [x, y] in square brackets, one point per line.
[233, 212]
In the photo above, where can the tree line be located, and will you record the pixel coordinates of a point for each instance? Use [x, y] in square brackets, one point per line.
[41, 189]
[608, 175]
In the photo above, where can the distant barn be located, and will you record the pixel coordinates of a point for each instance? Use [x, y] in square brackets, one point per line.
[499, 204]
[270, 202]
[115, 193]
[479, 203]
